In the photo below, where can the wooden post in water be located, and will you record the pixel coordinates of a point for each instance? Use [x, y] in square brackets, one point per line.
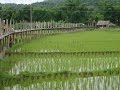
[7, 41]
[26, 34]
[1, 46]
[3, 41]
[32, 34]
[29, 36]
[2, 53]
[18, 37]
[15, 38]
[38, 32]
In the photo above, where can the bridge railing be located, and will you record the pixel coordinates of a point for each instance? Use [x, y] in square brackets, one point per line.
[8, 26]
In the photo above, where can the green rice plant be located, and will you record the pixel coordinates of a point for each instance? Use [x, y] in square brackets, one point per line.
[86, 83]
[46, 70]
[95, 40]
[58, 63]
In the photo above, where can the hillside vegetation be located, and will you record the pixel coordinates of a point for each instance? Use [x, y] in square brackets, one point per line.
[64, 10]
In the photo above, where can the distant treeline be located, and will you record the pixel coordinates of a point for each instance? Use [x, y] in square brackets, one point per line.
[64, 10]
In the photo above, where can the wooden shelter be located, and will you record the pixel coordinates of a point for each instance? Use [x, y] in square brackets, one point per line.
[104, 24]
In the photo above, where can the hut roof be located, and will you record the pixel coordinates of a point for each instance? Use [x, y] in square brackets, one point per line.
[111, 24]
[103, 23]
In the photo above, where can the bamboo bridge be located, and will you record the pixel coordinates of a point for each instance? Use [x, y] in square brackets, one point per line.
[12, 32]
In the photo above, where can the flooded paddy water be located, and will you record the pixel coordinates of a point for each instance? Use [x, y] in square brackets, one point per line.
[57, 63]
[90, 83]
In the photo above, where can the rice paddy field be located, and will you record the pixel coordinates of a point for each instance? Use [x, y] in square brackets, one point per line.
[92, 40]
[64, 71]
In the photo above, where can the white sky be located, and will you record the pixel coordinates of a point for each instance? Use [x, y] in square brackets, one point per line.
[20, 1]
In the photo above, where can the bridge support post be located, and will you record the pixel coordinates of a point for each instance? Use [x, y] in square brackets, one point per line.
[26, 35]
[15, 38]
[1, 46]
[21, 37]
[6, 41]
[2, 51]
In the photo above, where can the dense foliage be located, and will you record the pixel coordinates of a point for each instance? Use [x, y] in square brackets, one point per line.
[64, 10]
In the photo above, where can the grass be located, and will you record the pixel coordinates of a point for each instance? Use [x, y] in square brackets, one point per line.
[55, 71]
[95, 40]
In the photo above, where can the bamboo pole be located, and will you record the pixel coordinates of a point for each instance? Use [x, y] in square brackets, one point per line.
[7, 25]
[13, 25]
[10, 26]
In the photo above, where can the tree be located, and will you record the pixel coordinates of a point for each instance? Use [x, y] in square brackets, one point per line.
[112, 13]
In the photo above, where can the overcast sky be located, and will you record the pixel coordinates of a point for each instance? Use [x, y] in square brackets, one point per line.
[20, 1]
